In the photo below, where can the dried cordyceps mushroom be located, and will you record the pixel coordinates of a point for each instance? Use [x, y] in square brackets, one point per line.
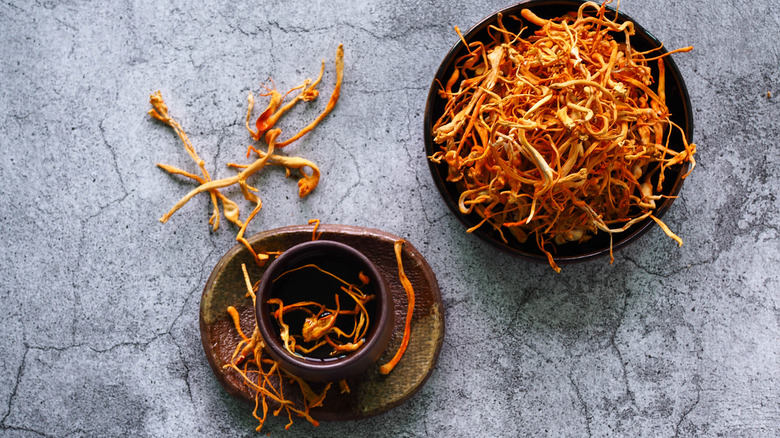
[320, 329]
[263, 375]
[558, 135]
[265, 131]
[388, 367]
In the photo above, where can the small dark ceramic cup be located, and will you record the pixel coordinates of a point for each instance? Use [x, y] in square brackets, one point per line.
[324, 253]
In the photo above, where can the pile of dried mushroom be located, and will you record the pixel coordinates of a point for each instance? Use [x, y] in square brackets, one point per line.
[557, 135]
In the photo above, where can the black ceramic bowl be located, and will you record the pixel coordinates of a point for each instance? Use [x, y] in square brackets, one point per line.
[677, 100]
[310, 284]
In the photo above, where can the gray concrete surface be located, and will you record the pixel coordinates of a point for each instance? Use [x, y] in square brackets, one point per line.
[99, 301]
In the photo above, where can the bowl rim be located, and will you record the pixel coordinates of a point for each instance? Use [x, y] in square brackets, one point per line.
[351, 364]
[673, 74]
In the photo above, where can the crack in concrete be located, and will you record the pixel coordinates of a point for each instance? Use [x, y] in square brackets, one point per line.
[195, 290]
[619, 354]
[687, 412]
[114, 160]
[186, 370]
[82, 238]
[237, 28]
[20, 373]
[55, 16]
[74, 283]
[18, 379]
[182, 358]
[355, 162]
[358, 87]
[397, 36]
[524, 299]
[17, 8]
[297, 29]
[715, 255]
[583, 405]
[24, 429]
[419, 183]
[753, 230]
[215, 155]
[61, 349]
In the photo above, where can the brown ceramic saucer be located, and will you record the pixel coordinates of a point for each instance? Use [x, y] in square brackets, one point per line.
[370, 393]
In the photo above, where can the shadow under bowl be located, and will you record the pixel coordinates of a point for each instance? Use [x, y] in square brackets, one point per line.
[677, 100]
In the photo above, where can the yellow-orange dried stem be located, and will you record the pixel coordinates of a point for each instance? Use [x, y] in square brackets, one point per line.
[388, 367]
[334, 97]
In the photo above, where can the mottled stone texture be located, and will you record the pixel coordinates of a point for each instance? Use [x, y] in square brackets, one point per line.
[99, 301]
